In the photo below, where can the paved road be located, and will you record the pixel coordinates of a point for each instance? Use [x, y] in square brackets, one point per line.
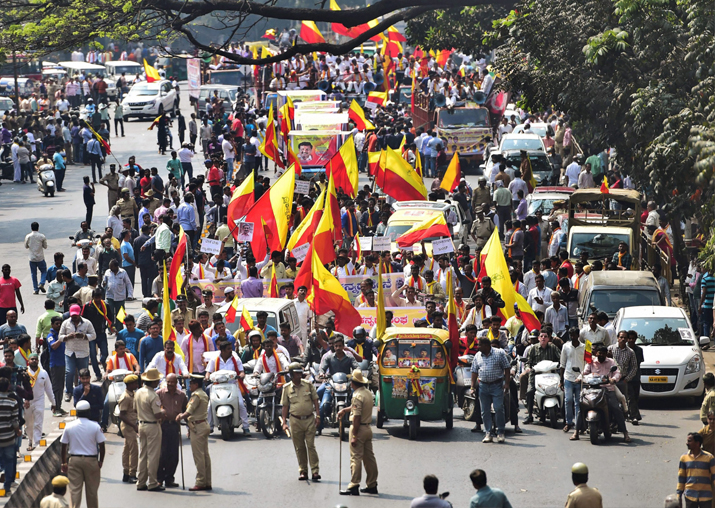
[532, 468]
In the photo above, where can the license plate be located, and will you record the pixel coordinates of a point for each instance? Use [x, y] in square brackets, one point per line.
[657, 379]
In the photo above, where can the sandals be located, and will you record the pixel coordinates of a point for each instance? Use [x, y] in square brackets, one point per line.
[30, 448]
[627, 439]
[574, 438]
[567, 428]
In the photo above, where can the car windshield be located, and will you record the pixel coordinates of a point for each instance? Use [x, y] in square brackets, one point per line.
[545, 205]
[655, 331]
[539, 163]
[598, 246]
[536, 129]
[521, 144]
[395, 230]
[610, 300]
[145, 89]
[131, 70]
[227, 78]
[405, 95]
[469, 117]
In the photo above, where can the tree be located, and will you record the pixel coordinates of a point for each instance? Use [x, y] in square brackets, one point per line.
[49, 25]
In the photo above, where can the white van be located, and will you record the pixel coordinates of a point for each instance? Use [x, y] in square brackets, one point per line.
[279, 310]
[115, 68]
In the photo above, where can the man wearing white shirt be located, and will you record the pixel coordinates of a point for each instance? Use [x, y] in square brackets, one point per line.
[305, 315]
[227, 359]
[572, 172]
[557, 315]
[572, 355]
[530, 276]
[35, 413]
[594, 333]
[267, 360]
[540, 296]
[167, 362]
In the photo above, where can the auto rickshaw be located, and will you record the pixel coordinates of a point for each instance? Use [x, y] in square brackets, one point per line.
[414, 378]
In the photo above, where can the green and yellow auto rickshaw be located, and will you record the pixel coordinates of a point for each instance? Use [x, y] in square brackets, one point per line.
[414, 378]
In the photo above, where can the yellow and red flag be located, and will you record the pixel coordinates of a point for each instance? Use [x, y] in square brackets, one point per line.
[494, 265]
[339, 28]
[374, 166]
[587, 352]
[154, 123]
[430, 228]
[357, 115]
[175, 278]
[343, 168]
[605, 189]
[107, 148]
[232, 310]
[325, 294]
[246, 320]
[270, 34]
[380, 321]
[398, 179]
[293, 161]
[328, 229]
[269, 146]
[151, 73]
[452, 324]
[443, 56]
[168, 332]
[306, 229]
[452, 175]
[356, 246]
[273, 286]
[309, 33]
[394, 35]
[271, 216]
[242, 200]
[379, 98]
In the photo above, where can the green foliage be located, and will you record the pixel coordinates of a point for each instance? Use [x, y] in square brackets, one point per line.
[461, 28]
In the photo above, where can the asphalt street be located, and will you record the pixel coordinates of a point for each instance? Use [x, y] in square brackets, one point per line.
[532, 468]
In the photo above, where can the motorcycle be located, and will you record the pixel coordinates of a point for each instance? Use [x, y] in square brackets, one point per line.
[549, 397]
[115, 390]
[462, 387]
[339, 385]
[251, 382]
[224, 402]
[367, 368]
[594, 403]
[269, 408]
[46, 182]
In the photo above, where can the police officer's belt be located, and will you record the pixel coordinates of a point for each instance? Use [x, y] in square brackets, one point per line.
[302, 417]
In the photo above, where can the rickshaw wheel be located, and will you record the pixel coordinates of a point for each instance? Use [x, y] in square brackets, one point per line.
[380, 419]
[413, 424]
[449, 419]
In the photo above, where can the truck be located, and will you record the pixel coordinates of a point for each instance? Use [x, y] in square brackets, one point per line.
[598, 221]
[465, 127]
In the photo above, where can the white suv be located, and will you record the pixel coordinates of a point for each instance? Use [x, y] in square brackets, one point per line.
[673, 362]
[150, 99]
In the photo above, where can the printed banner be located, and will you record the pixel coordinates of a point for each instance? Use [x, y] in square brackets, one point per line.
[401, 316]
[467, 141]
[193, 75]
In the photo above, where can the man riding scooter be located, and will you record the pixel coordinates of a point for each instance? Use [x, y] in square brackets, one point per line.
[545, 350]
[601, 366]
[332, 363]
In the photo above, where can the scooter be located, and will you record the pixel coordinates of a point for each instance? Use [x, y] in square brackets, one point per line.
[251, 382]
[594, 405]
[462, 388]
[225, 395]
[549, 397]
[339, 385]
[46, 182]
[269, 408]
[114, 391]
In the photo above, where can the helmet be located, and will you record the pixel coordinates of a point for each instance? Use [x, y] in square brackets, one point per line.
[359, 331]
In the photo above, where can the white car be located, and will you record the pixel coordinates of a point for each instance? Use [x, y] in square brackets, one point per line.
[149, 99]
[530, 142]
[673, 361]
[538, 128]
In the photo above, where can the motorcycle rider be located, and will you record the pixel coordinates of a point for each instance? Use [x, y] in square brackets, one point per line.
[229, 360]
[362, 345]
[253, 350]
[601, 366]
[545, 350]
[332, 363]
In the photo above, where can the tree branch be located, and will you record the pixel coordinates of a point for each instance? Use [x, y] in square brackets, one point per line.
[305, 49]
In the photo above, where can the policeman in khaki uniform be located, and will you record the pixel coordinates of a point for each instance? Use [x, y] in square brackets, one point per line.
[583, 496]
[361, 438]
[196, 414]
[300, 401]
[127, 206]
[148, 407]
[130, 429]
[57, 498]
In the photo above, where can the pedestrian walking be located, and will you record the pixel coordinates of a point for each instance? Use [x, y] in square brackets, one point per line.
[696, 474]
[148, 407]
[130, 428]
[9, 432]
[35, 412]
[360, 438]
[111, 182]
[9, 294]
[57, 363]
[80, 462]
[195, 415]
[88, 197]
[300, 401]
[37, 243]
[492, 369]
[486, 497]
[173, 403]
[57, 498]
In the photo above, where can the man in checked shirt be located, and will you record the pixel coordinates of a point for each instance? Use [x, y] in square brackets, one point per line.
[492, 368]
[625, 357]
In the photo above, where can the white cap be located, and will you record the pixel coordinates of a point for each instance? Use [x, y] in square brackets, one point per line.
[82, 405]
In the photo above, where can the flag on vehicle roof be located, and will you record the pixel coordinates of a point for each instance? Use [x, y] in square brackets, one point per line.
[151, 73]
[429, 228]
[230, 316]
[270, 34]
